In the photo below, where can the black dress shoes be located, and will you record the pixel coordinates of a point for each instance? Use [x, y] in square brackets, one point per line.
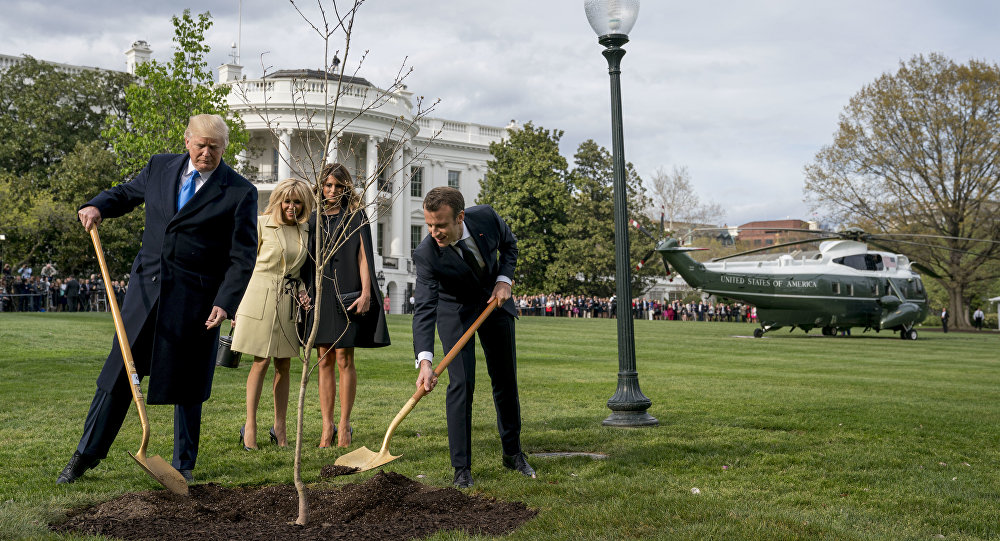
[518, 463]
[188, 475]
[78, 464]
[463, 478]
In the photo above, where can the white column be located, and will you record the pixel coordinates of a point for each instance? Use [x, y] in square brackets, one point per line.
[400, 220]
[242, 159]
[332, 153]
[371, 190]
[284, 154]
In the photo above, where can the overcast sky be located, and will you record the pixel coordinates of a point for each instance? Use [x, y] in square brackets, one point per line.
[743, 93]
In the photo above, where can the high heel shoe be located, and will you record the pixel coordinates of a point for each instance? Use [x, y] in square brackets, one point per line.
[274, 436]
[242, 432]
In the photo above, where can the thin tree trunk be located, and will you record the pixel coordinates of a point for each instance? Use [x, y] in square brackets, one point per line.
[300, 487]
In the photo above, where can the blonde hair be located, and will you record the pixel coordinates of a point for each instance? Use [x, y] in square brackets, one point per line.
[290, 188]
[340, 173]
[213, 126]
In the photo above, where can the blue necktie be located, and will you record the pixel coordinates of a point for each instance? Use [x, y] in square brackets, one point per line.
[187, 190]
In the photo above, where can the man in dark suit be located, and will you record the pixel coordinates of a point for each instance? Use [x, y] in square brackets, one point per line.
[462, 265]
[72, 293]
[198, 251]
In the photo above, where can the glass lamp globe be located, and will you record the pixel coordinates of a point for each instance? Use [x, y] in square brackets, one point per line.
[609, 17]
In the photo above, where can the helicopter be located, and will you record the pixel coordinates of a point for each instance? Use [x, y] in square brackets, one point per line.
[842, 285]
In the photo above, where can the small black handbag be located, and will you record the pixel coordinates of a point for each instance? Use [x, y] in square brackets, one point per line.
[226, 356]
[347, 299]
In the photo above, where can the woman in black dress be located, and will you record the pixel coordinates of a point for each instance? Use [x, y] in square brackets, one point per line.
[349, 310]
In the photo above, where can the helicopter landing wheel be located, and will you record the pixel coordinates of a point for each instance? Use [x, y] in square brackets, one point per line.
[911, 334]
[757, 333]
[829, 331]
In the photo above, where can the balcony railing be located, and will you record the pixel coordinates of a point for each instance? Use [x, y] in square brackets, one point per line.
[460, 132]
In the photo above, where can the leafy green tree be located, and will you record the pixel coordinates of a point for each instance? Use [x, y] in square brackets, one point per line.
[50, 117]
[33, 223]
[86, 171]
[526, 183]
[45, 112]
[585, 260]
[166, 96]
[916, 151]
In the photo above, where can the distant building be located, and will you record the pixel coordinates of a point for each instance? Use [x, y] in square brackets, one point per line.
[769, 232]
[7, 61]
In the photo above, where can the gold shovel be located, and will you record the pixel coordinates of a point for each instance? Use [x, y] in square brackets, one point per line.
[154, 465]
[364, 459]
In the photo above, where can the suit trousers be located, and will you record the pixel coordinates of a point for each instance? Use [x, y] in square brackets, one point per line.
[108, 409]
[497, 337]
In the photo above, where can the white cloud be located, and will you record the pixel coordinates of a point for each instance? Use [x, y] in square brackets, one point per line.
[742, 93]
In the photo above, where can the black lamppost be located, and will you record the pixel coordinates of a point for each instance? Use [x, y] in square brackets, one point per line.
[612, 20]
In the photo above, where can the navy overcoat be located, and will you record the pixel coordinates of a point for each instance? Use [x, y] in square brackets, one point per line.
[190, 261]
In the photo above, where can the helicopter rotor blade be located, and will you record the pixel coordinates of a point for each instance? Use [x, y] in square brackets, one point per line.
[924, 269]
[642, 262]
[643, 230]
[879, 243]
[930, 237]
[773, 246]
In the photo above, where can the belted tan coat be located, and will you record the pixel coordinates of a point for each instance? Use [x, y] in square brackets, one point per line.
[265, 319]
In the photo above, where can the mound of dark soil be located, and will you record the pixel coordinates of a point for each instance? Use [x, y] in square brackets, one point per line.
[387, 506]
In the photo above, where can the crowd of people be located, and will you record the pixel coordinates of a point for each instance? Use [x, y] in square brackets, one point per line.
[22, 291]
[583, 306]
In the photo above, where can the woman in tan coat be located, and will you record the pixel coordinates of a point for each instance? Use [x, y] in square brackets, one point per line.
[265, 321]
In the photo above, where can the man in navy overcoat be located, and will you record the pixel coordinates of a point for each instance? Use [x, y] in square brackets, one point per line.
[466, 260]
[198, 251]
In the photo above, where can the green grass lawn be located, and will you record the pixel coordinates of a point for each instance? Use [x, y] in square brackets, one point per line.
[788, 437]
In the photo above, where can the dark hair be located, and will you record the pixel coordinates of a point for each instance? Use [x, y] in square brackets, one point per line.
[352, 199]
[447, 196]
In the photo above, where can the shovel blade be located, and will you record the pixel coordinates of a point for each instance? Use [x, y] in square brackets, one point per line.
[164, 473]
[365, 459]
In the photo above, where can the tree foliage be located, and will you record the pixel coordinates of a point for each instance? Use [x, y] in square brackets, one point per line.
[526, 183]
[167, 95]
[918, 151]
[45, 112]
[50, 128]
[585, 261]
[563, 220]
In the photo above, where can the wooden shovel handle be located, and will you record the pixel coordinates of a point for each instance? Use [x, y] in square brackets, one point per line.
[116, 314]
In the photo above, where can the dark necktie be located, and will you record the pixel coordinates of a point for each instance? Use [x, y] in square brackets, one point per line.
[187, 190]
[470, 258]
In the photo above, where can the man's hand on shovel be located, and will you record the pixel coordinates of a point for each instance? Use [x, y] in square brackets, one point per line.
[427, 378]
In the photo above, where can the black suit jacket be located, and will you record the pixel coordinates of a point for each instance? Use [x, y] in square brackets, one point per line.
[190, 260]
[446, 287]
